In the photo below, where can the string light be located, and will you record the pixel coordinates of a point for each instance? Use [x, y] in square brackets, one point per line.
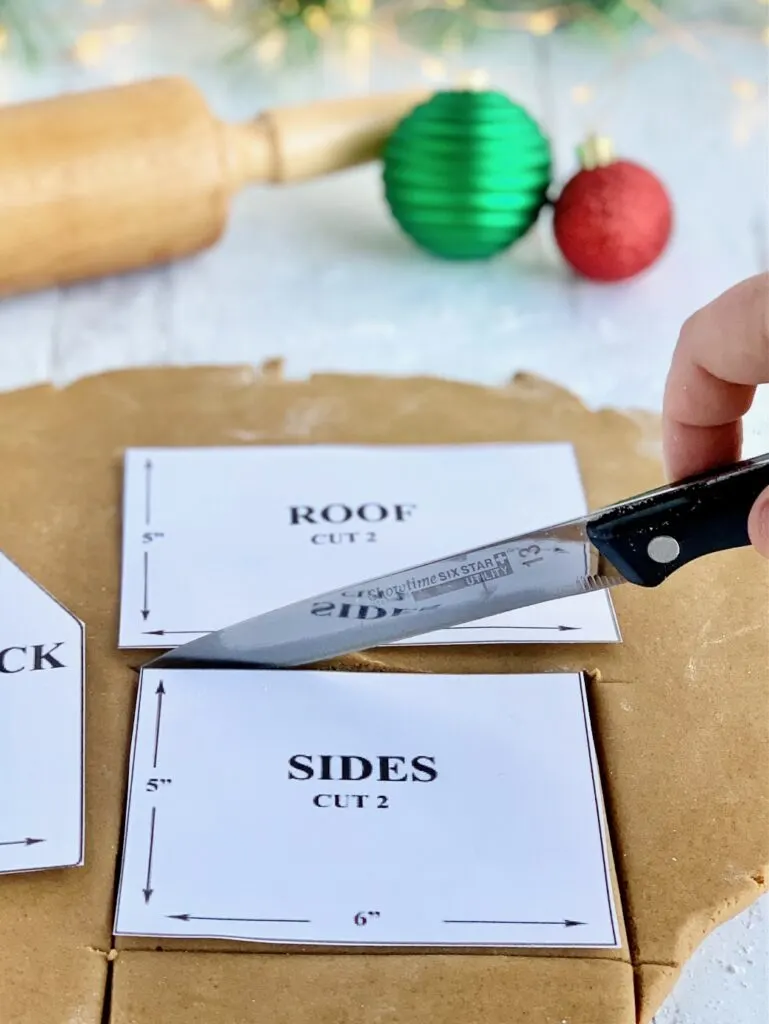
[358, 49]
[433, 69]
[744, 88]
[582, 94]
[358, 41]
[473, 81]
[91, 47]
[539, 23]
[360, 24]
[271, 47]
[750, 115]
[542, 23]
[317, 20]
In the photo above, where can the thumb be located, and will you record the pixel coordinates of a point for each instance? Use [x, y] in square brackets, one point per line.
[758, 524]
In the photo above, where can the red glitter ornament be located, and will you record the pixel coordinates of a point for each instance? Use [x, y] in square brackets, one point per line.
[614, 218]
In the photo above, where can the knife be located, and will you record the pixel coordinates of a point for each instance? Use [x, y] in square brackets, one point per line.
[642, 541]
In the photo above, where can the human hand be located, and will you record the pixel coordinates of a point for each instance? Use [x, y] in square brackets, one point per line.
[721, 357]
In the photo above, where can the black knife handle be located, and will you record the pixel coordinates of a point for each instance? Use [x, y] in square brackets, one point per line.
[651, 536]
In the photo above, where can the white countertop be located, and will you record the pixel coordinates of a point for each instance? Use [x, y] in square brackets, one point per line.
[319, 275]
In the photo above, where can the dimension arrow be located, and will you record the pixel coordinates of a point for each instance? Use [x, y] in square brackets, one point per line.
[566, 923]
[203, 632]
[160, 694]
[148, 890]
[551, 629]
[247, 920]
[148, 491]
[22, 842]
[145, 609]
[176, 632]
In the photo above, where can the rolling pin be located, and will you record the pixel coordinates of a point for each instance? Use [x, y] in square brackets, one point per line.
[104, 182]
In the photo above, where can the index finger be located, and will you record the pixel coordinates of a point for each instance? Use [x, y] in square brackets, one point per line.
[722, 354]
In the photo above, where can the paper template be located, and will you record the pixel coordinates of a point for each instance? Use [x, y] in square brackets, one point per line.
[41, 727]
[212, 536]
[365, 809]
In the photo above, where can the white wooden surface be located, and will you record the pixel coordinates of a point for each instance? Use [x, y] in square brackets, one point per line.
[320, 276]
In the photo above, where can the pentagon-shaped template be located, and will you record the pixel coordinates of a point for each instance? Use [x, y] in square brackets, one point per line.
[41, 727]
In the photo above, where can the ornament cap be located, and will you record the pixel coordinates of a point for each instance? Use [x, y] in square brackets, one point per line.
[596, 151]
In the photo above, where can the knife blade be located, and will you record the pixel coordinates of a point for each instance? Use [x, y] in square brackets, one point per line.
[642, 540]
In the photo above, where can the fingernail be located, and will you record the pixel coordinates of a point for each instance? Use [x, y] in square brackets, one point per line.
[762, 525]
[763, 519]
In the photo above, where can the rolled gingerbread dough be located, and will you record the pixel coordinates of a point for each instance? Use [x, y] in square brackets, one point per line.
[679, 710]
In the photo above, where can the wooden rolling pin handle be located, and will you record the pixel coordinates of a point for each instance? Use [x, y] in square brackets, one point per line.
[298, 143]
[112, 180]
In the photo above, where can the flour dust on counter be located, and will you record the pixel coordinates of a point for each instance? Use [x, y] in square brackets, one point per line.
[350, 809]
[41, 727]
[213, 536]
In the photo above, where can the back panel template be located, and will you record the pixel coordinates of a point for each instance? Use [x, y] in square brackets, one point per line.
[41, 727]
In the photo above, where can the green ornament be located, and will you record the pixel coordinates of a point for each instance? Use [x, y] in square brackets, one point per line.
[466, 173]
